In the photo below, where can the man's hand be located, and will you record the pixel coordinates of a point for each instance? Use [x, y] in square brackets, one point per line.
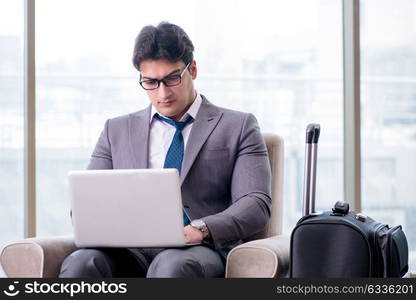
[192, 234]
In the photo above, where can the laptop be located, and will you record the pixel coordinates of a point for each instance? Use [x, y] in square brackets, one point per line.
[127, 208]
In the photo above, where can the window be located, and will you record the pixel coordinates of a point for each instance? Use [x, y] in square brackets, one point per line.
[281, 60]
[388, 59]
[287, 72]
[11, 121]
[285, 66]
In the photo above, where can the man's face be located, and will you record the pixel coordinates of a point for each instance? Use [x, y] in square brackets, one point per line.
[171, 101]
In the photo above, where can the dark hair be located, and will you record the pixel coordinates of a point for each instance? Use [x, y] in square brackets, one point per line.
[164, 41]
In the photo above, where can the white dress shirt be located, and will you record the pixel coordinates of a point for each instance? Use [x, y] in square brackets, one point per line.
[161, 134]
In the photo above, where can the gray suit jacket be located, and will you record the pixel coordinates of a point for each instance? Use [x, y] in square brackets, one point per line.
[225, 177]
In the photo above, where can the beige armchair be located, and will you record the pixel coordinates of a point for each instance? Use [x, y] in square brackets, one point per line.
[265, 255]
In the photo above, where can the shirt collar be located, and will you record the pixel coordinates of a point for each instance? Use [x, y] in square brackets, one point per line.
[192, 111]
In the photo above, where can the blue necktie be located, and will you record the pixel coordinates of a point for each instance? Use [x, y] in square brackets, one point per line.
[174, 156]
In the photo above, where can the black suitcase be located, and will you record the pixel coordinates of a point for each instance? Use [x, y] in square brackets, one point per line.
[340, 243]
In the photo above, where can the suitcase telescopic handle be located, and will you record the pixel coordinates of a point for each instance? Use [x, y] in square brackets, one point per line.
[313, 131]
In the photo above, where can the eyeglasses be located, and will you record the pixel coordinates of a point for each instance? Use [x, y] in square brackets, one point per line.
[170, 80]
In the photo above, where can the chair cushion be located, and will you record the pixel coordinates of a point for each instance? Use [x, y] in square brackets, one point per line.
[266, 258]
[36, 257]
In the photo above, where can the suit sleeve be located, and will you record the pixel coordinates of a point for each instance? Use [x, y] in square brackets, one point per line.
[250, 190]
[101, 157]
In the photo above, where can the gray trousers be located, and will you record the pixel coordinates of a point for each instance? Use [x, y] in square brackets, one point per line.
[193, 261]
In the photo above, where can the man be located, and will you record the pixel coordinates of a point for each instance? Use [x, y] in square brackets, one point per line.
[220, 154]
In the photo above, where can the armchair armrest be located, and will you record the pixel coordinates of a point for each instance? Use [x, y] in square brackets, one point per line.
[265, 258]
[36, 257]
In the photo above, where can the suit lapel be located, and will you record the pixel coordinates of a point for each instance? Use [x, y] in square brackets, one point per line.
[139, 124]
[139, 127]
[205, 122]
